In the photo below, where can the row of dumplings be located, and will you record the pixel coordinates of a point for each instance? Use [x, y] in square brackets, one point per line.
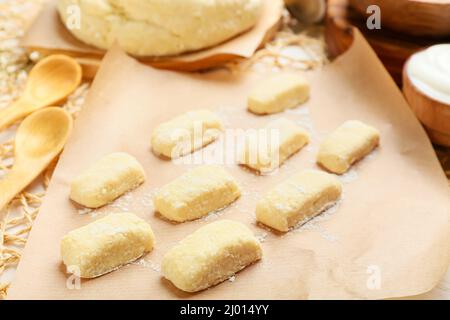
[204, 258]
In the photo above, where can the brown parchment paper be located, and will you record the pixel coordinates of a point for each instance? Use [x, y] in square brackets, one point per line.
[389, 236]
[48, 35]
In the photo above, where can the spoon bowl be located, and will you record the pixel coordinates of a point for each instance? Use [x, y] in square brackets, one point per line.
[40, 138]
[423, 18]
[52, 79]
[432, 113]
[42, 134]
[49, 82]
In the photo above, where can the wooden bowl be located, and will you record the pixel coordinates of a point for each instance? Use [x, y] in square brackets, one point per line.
[430, 18]
[433, 114]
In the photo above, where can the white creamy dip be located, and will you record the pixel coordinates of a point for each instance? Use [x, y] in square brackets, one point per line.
[429, 71]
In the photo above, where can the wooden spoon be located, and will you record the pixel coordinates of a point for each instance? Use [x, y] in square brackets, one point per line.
[40, 138]
[50, 81]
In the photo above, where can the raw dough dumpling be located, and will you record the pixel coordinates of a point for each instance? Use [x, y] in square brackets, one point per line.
[301, 197]
[271, 147]
[186, 133]
[211, 255]
[106, 244]
[278, 93]
[197, 193]
[349, 143]
[106, 180]
[158, 27]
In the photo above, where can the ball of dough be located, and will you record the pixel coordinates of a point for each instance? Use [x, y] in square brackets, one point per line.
[158, 27]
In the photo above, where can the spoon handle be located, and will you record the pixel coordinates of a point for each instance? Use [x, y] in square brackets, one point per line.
[13, 183]
[15, 112]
